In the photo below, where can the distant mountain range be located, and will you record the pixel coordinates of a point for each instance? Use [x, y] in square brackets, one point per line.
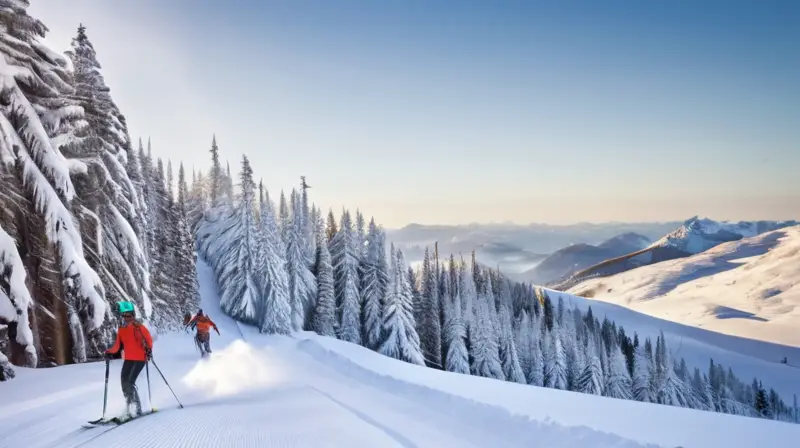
[694, 236]
[576, 257]
[514, 248]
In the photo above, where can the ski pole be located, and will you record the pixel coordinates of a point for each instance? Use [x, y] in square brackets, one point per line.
[166, 382]
[105, 392]
[149, 393]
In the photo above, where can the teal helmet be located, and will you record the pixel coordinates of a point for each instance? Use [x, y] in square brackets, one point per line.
[125, 307]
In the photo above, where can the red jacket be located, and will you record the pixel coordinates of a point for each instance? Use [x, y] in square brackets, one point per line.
[204, 324]
[132, 339]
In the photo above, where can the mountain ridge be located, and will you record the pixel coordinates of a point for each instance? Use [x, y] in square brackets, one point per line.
[694, 236]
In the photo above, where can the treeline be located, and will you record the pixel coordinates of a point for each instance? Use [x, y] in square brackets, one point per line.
[86, 220]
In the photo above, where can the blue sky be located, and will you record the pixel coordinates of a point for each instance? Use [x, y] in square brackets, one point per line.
[470, 111]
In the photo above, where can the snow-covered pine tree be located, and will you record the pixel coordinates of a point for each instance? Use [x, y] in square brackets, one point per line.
[331, 229]
[324, 320]
[168, 313]
[591, 379]
[509, 357]
[215, 176]
[185, 258]
[313, 217]
[110, 209]
[38, 120]
[642, 373]
[227, 183]
[373, 282]
[276, 309]
[401, 338]
[240, 292]
[308, 224]
[483, 343]
[360, 236]
[523, 341]
[430, 331]
[618, 381]
[197, 203]
[468, 294]
[345, 272]
[557, 362]
[536, 375]
[302, 285]
[133, 168]
[15, 305]
[574, 343]
[669, 389]
[284, 218]
[456, 357]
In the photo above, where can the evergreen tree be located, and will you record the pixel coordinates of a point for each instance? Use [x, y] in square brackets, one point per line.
[402, 340]
[242, 258]
[618, 381]
[508, 349]
[324, 319]
[331, 230]
[591, 379]
[186, 260]
[345, 269]
[429, 326]
[457, 358]
[215, 180]
[483, 344]
[302, 285]
[108, 194]
[642, 368]
[374, 279]
[276, 310]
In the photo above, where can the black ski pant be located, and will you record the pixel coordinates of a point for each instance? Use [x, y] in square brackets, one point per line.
[203, 341]
[130, 372]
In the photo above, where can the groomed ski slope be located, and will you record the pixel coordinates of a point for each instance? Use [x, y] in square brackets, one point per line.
[308, 391]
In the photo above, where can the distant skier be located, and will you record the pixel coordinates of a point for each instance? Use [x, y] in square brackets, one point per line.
[134, 339]
[203, 336]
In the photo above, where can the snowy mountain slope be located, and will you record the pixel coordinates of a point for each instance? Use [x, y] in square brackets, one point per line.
[575, 257]
[692, 237]
[258, 390]
[749, 288]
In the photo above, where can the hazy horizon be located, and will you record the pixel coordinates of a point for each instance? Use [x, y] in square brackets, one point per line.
[459, 112]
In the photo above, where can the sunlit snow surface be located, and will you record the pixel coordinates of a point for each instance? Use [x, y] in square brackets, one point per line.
[748, 288]
[309, 391]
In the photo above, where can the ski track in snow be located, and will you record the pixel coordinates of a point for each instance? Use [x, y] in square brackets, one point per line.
[277, 391]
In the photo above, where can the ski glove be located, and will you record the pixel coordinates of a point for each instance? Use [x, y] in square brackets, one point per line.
[148, 353]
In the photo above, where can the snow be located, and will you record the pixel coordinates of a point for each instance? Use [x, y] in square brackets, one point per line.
[309, 390]
[15, 307]
[748, 288]
[699, 234]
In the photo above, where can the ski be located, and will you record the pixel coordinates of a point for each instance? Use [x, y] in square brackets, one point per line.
[117, 421]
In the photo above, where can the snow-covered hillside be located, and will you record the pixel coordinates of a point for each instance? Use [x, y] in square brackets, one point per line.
[748, 288]
[699, 234]
[312, 391]
[692, 237]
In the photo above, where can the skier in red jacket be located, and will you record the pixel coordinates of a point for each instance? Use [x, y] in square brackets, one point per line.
[134, 339]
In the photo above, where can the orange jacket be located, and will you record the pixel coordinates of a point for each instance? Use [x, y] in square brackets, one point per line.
[132, 339]
[204, 324]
